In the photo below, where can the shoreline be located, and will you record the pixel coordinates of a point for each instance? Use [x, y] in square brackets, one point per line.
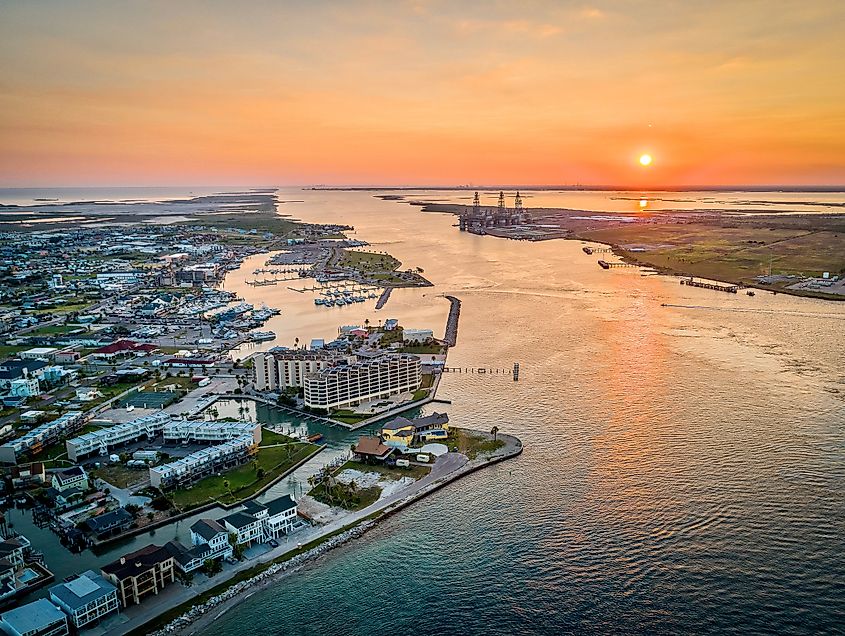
[194, 618]
[575, 234]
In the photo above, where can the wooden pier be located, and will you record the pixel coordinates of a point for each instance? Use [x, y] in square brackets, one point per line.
[596, 250]
[731, 289]
[606, 265]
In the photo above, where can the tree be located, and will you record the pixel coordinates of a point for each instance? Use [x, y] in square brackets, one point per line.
[227, 486]
[494, 432]
[259, 474]
[212, 566]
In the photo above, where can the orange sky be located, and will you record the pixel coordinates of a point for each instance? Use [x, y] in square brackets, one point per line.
[418, 92]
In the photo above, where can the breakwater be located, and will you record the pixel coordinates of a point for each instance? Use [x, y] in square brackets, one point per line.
[385, 296]
[451, 335]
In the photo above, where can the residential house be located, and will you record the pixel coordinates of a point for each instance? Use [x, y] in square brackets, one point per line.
[26, 474]
[246, 528]
[140, 573]
[401, 432]
[371, 449]
[281, 516]
[16, 369]
[210, 541]
[85, 599]
[116, 520]
[39, 618]
[73, 477]
[24, 387]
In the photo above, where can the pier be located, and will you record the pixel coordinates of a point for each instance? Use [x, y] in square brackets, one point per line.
[451, 336]
[606, 265]
[596, 250]
[731, 289]
[385, 296]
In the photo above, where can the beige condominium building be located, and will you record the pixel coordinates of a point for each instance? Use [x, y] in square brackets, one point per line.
[350, 384]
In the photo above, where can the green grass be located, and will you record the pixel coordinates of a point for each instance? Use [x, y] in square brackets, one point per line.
[391, 472]
[269, 438]
[7, 351]
[419, 394]
[367, 262]
[344, 498]
[348, 417]
[120, 475]
[471, 445]
[52, 330]
[243, 480]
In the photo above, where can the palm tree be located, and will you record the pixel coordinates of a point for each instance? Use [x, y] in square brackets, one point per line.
[494, 432]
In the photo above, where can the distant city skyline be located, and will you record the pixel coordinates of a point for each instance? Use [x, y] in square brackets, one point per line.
[422, 93]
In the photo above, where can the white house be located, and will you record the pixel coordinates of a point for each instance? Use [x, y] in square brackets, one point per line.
[247, 528]
[281, 515]
[73, 477]
[24, 387]
[208, 532]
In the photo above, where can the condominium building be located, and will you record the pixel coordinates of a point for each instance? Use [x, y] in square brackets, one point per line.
[350, 384]
[203, 462]
[278, 370]
[86, 598]
[188, 432]
[42, 436]
[102, 441]
[140, 573]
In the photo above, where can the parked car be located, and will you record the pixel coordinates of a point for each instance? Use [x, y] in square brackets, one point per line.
[273, 543]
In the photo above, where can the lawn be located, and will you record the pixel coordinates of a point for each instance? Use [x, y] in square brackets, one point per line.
[8, 350]
[343, 497]
[391, 472]
[368, 262]
[120, 475]
[243, 481]
[471, 445]
[419, 394]
[270, 438]
[347, 416]
[433, 348]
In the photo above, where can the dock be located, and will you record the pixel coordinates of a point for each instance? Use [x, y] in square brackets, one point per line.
[731, 289]
[606, 265]
[451, 336]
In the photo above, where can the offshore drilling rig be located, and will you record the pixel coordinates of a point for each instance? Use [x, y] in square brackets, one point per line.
[477, 218]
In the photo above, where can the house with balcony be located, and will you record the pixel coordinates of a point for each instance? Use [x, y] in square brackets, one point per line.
[246, 528]
[141, 573]
[86, 599]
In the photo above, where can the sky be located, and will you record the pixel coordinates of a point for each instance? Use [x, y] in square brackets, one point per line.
[422, 92]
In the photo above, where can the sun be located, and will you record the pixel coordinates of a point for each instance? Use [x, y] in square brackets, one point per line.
[645, 160]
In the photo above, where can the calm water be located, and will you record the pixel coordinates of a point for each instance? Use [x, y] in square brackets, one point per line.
[684, 467]
[683, 471]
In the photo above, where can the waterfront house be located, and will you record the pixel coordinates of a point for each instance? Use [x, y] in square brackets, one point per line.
[371, 449]
[86, 598]
[212, 537]
[140, 573]
[8, 578]
[281, 515]
[402, 432]
[245, 527]
[110, 522]
[39, 618]
[73, 477]
[26, 474]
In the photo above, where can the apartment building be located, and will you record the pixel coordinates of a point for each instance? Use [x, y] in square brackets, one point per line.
[350, 384]
[141, 573]
[188, 432]
[104, 440]
[203, 462]
[42, 436]
[279, 370]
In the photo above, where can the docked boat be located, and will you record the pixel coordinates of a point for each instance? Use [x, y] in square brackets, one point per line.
[261, 336]
[316, 437]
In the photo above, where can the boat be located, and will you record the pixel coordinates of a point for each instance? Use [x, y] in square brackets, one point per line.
[750, 292]
[316, 437]
[261, 336]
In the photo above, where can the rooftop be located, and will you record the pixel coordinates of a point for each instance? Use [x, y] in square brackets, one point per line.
[80, 591]
[33, 617]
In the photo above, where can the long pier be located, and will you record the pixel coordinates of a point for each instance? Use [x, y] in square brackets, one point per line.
[731, 289]
[606, 265]
[385, 296]
[451, 336]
